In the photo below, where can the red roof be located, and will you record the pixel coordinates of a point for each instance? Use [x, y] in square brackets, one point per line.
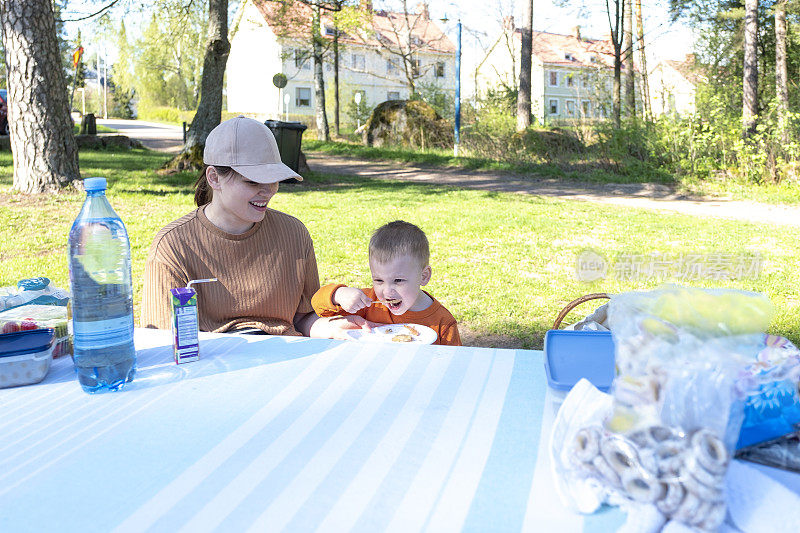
[293, 20]
[568, 50]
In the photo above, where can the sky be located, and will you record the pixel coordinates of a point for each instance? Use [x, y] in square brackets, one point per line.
[481, 23]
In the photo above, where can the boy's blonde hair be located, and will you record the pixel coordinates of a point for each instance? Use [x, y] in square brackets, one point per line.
[399, 238]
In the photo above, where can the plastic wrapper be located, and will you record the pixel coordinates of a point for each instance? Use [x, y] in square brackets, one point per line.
[39, 291]
[678, 399]
[783, 453]
[29, 317]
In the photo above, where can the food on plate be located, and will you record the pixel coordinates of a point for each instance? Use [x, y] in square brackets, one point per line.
[402, 337]
[412, 329]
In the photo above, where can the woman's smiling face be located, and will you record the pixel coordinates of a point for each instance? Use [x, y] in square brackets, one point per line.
[238, 202]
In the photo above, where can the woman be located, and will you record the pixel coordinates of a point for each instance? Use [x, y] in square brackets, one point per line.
[263, 259]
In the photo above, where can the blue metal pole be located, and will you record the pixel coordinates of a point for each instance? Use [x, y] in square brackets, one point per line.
[458, 92]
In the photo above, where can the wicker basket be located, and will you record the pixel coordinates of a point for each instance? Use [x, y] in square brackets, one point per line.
[575, 303]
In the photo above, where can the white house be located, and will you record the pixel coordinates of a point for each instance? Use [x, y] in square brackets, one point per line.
[268, 42]
[571, 75]
[673, 85]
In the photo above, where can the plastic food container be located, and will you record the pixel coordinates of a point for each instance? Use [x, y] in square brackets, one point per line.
[25, 356]
[35, 316]
[570, 356]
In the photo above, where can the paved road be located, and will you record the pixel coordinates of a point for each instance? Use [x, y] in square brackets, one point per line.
[153, 135]
[641, 195]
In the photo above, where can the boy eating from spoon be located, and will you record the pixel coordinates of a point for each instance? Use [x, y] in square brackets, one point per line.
[399, 262]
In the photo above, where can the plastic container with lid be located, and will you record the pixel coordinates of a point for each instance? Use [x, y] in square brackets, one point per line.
[25, 356]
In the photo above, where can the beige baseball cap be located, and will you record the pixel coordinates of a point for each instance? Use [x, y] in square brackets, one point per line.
[248, 147]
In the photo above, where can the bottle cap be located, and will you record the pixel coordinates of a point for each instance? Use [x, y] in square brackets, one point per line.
[94, 184]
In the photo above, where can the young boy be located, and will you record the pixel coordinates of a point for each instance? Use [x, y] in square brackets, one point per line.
[398, 260]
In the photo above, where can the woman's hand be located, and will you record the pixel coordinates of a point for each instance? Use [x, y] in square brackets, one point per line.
[351, 299]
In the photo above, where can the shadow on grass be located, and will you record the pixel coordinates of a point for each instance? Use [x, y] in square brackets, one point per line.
[582, 167]
[492, 187]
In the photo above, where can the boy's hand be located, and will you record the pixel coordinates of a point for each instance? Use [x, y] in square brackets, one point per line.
[351, 299]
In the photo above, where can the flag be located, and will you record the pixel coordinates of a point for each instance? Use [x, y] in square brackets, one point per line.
[76, 56]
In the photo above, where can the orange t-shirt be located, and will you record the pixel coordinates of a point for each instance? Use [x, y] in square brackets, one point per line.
[435, 316]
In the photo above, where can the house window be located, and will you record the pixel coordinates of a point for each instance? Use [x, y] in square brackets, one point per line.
[391, 68]
[330, 31]
[439, 72]
[586, 107]
[553, 106]
[301, 59]
[570, 108]
[570, 80]
[302, 97]
[416, 65]
[393, 95]
[359, 63]
[568, 56]
[553, 79]
[585, 81]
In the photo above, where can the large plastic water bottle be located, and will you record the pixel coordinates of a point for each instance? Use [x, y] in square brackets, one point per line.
[102, 295]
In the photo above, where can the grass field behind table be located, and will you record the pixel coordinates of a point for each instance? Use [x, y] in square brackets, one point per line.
[504, 264]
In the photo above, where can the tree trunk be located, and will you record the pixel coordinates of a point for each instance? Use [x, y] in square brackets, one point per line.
[323, 132]
[750, 78]
[524, 92]
[645, 86]
[615, 25]
[781, 88]
[209, 111]
[44, 149]
[630, 84]
[336, 102]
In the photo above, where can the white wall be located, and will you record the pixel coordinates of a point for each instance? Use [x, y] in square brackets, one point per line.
[254, 59]
[257, 55]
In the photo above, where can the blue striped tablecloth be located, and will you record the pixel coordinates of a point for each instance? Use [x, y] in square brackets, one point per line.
[279, 433]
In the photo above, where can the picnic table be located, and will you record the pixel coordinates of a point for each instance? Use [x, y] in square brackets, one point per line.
[289, 433]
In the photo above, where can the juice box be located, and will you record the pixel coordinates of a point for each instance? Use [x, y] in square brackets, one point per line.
[185, 343]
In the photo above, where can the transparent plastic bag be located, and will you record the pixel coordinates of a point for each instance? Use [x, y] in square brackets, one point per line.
[677, 401]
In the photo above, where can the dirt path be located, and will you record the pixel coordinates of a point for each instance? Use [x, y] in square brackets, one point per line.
[645, 195]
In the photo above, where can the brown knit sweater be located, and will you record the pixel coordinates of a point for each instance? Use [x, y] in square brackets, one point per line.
[266, 275]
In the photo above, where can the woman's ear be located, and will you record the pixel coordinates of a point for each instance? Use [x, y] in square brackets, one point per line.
[426, 275]
[212, 177]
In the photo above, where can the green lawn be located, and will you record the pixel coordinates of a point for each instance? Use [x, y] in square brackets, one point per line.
[504, 264]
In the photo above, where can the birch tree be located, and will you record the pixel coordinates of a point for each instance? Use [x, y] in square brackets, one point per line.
[750, 73]
[645, 85]
[630, 84]
[781, 75]
[525, 68]
[44, 149]
[615, 27]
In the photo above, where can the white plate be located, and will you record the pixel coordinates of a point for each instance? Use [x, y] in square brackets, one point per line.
[386, 332]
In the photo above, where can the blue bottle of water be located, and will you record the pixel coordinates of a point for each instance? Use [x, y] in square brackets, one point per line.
[102, 294]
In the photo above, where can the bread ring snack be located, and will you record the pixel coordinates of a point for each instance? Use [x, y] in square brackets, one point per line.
[403, 337]
[714, 518]
[605, 471]
[672, 498]
[699, 472]
[412, 330]
[669, 456]
[687, 509]
[710, 451]
[642, 487]
[619, 453]
[587, 444]
[710, 493]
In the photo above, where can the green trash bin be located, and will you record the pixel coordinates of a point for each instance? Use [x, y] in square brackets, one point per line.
[289, 136]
